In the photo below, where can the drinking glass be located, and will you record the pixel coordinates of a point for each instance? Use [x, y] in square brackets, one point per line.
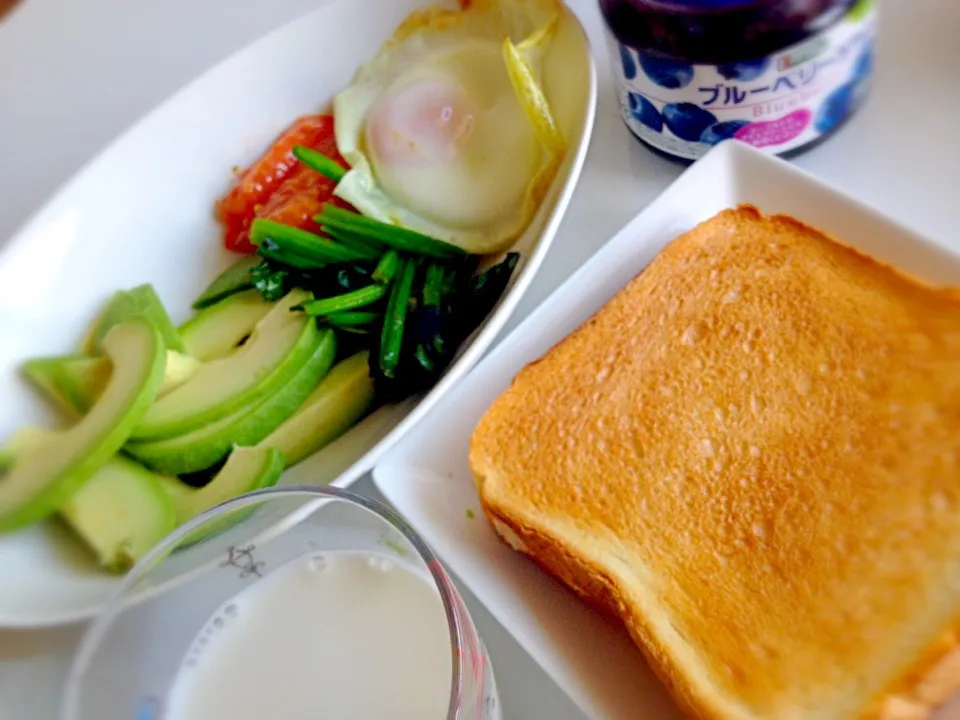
[129, 658]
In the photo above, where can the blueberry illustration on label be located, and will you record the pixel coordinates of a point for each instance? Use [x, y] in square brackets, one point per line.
[671, 74]
[744, 70]
[645, 112]
[629, 66]
[836, 108]
[718, 132]
[864, 65]
[687, 121]
[149, 709]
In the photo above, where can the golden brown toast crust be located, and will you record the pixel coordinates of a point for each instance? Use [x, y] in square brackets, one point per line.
[752, 456]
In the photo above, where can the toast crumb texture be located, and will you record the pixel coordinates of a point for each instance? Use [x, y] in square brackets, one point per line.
[751, 455]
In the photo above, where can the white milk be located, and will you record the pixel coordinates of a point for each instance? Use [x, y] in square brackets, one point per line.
[339, 635]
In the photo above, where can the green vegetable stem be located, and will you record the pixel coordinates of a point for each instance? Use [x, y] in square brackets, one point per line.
[346, 301]
[314, 160]
[303, 243]
[391, 336]
[396, 237]
[352, 319]
[387, 267]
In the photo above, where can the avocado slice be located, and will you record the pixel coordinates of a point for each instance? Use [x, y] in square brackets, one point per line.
[74, 382]
[43, 478]
[141, 301]
[84, 379]
[43, 374]
[22, 440]
[174, 488]
[7, 456]
[281, 343]
[246, 469]
[178, 368]
[340, 400]
[206, 446]
[218, 330]
[232, 280]
[120, 513]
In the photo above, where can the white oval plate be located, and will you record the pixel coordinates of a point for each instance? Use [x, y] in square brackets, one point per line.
[143, 212]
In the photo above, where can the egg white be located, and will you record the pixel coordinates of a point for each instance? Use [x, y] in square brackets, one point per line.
[434, 131]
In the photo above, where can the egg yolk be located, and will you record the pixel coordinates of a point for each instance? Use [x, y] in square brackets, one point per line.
[425, 123]
[449, 141]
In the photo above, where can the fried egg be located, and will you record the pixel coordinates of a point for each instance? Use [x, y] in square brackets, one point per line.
[447, 130]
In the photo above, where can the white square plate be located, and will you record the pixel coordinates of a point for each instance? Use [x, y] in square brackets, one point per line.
[427, 477]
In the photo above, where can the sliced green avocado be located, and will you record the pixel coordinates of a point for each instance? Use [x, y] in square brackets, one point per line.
[340, 400]
[246, 469]
[43, 374]
[141, 301]
[281, 343]
[46, 476]
[121, 512]
[179, 368]
[174, 487]
[232, 280]
[22, 440]
[218, 330]
[84, 379]
[74, 382]
[6, 457]
[205, 447]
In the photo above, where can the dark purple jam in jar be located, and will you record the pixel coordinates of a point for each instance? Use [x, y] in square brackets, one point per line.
[780, 75]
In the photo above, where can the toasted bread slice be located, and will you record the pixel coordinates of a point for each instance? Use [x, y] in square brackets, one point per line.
[752, 456]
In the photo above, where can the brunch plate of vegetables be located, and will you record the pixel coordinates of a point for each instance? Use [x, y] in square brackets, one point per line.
[274, 275]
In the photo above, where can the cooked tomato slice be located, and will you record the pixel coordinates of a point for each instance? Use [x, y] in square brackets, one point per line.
[298, 199]
[257, 185]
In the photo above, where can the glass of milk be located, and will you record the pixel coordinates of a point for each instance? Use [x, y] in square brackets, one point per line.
[294, 602]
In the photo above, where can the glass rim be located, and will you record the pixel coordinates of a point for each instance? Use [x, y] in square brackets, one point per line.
[458, 623]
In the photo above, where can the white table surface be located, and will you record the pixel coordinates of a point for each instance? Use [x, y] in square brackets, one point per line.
[75, 74]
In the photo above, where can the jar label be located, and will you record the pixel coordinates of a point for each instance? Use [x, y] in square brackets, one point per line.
[777, 103]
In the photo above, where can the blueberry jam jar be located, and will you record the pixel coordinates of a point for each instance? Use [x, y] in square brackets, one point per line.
[780, 75]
